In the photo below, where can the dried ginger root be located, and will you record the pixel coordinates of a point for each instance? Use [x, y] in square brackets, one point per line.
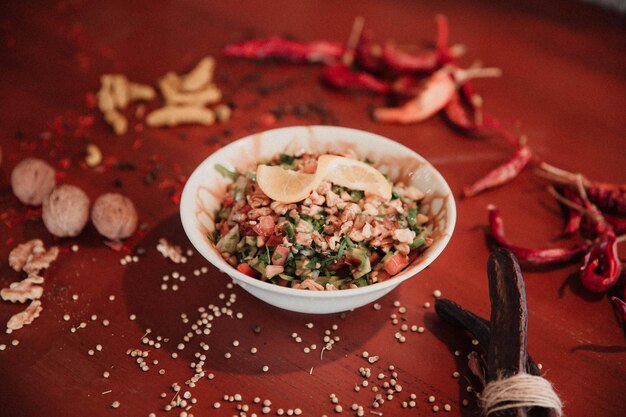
[176, 115]
[115, 93]
[185, 97]
[200, 76]
[171, 85]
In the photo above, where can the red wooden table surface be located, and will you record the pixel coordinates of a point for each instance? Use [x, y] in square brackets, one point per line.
[564, 86]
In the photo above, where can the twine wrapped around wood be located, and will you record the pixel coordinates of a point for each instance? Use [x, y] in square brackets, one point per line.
[519, 390]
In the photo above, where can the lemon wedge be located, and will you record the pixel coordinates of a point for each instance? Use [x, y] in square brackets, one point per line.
[288, 186]
[285, 185]
[353, 174]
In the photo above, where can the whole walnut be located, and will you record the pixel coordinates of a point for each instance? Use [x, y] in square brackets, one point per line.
[114, 216]
[66, 211]
[32, 180]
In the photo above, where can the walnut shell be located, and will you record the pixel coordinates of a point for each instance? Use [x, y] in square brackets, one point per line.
[66, 211]
[32, 181]
[114, 216]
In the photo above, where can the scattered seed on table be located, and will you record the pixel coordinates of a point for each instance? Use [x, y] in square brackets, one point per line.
[132, 317]
[455, 374]
[431, 399]
[435, 408]
[437, 293]
[115, 404]
[216, 404]
[377, 306]
[265, 368]
[66, 317]
[75, 297]
[426, 304]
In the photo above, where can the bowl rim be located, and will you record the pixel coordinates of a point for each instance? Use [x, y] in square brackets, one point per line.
[188, 202]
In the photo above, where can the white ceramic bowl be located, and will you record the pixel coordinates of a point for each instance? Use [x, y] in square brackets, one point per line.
[206, 187]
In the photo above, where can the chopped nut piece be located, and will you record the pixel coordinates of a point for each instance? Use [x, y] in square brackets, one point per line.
[39, 261]
[23, 290]
[23, 252]
[25, 317]
[174, 253]
[93, 156]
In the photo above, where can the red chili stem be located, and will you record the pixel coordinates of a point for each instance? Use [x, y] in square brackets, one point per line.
[353, 40]
[502, 174]
[538, 257]
[607, 196]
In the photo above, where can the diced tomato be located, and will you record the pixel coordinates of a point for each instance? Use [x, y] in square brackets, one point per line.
[280, 255]
[228, 200]
[396, 263]
[246, 269]
[224, 229]
[245, 208]
[383, 275]
[374, 258]
[265, 226]
[274, 241]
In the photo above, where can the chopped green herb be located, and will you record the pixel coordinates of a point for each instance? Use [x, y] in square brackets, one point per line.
[226, 173]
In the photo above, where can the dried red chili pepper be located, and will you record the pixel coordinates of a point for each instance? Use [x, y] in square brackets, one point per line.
[368, 55]
[601, 267]
[538, 257]
[467, 116]
[343, 78]
[574, 216]
[502, 174]
[434, 94]
[425, 61]
[617, 223]
[276, 47]
[607, 196]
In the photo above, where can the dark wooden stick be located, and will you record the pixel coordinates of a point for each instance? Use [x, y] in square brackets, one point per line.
[509, 318]
[479, 327]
